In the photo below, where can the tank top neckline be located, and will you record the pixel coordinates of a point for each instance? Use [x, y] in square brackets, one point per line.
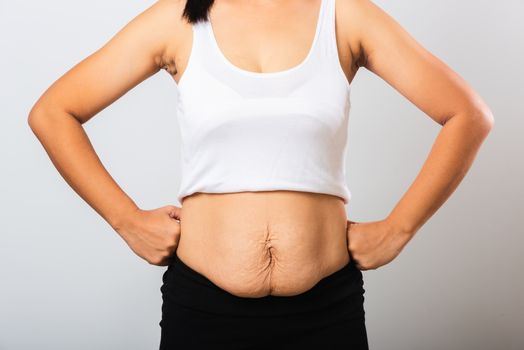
[261, 75]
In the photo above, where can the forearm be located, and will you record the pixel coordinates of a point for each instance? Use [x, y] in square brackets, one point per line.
[71, 152]
[449, 160]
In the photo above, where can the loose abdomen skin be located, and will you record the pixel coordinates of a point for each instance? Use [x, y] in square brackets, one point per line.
[253, 244]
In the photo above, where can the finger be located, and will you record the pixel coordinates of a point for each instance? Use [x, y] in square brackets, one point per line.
[173, 211]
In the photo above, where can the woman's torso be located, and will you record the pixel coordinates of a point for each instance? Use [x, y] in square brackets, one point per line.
[257, 243]
[253, 244]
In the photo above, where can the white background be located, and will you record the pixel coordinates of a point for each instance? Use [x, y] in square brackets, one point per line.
[68, 281]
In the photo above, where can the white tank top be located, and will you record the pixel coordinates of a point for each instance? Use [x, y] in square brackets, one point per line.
[250, 131]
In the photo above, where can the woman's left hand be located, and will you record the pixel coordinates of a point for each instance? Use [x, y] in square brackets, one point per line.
[375, 243]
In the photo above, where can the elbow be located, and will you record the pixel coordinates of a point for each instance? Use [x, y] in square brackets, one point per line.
[485, 120]
[489, 119]
[35, 117]
[481, 119]
[482, 115]
[38, 118]
[43, 118]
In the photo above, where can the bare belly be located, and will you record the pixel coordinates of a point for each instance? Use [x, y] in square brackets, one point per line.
[254, 244]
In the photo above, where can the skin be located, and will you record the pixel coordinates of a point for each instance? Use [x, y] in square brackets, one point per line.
[287, 240]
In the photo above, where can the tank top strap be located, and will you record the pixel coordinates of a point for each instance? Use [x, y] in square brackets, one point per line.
[327, 37]
[199, 46]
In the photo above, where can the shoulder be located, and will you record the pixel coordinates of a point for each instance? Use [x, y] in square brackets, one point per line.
[171, 27]
[168, 14]
[359, 20]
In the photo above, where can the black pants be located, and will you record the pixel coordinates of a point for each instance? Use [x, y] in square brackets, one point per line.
[197, 314]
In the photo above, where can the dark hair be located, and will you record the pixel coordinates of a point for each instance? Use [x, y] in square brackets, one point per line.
[197, 10]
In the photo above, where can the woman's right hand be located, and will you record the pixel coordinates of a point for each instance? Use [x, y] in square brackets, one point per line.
[153, 234]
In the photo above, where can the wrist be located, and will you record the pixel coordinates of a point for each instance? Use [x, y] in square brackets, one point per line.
[400, 226]
[124, 219]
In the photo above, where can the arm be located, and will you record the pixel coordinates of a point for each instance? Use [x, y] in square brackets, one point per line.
[131, 56]
[390, 52]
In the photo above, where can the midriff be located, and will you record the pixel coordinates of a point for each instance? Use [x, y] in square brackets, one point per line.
[253, 244]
